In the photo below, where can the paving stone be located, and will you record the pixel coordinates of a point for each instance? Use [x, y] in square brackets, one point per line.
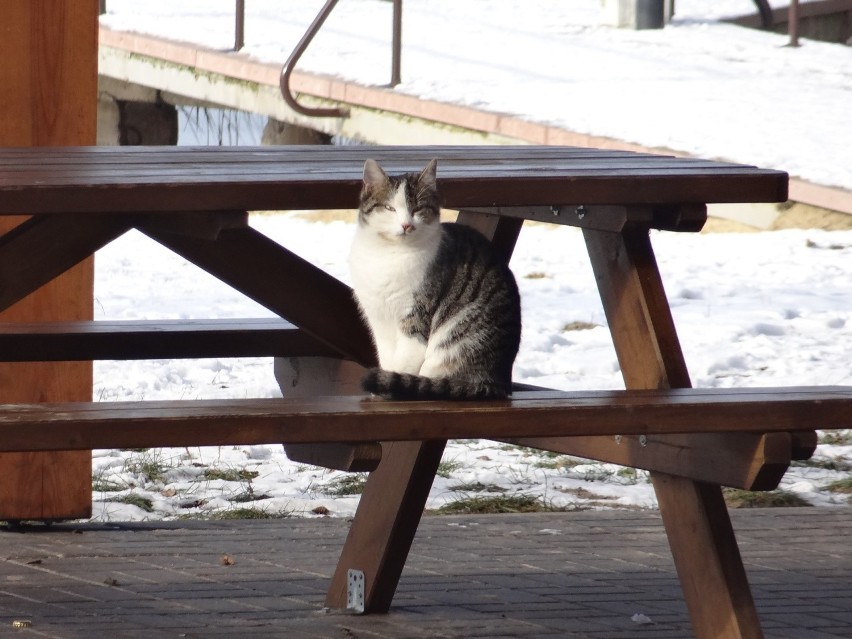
[485, 576]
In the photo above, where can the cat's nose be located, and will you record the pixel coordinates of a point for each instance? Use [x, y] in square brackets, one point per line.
[407, 228]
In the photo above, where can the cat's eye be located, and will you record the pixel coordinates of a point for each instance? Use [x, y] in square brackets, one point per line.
[388, 207]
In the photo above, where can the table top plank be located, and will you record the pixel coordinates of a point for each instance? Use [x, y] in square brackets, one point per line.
[98, 180]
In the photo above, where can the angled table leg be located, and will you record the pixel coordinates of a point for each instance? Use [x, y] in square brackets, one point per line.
[42, 248]
[697, 523]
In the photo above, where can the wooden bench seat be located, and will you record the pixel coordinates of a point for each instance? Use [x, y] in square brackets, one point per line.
[160, 339]
[85, 425]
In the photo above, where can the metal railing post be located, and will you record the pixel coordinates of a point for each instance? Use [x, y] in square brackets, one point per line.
[240, 25]
[397, 43]
[793, 23]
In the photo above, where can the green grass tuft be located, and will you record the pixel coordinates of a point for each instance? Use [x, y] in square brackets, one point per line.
[825, 464]
[840, 486]
[836, 437]
[447, 468]
[736, 498]
[229, 474]
[101, 485]
[498, 505]
[476, 487]
[352, 484]
[247, 513]
[579, 326]
[558, 462]
[134, 499]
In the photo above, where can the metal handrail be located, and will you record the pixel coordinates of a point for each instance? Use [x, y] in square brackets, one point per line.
[287, 69]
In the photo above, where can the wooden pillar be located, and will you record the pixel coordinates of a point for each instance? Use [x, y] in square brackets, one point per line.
[48, 97]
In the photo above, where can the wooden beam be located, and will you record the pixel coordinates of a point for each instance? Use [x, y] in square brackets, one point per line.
[750, 461]
[49, 85]
[43, 248]
[236, 256]
[162, 339]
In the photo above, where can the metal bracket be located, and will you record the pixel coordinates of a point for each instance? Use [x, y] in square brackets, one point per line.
[355, 592]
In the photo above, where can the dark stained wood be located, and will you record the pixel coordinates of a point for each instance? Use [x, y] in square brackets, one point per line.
[238, 256]
[342, 419]
[707, 559]
[700, 535]
[42, 248]
[126, 340]
[48, 98]
[386, 521]
[614, 196]
[151, 179]
[353, 458]
[202, 224]
[611, 218]
[743, 460]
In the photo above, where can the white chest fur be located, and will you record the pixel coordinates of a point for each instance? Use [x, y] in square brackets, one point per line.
[386, 274]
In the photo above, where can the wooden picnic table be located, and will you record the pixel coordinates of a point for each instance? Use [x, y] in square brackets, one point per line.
[195, 202]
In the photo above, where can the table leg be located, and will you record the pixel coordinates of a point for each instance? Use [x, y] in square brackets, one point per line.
[388, 515]
[699, 529]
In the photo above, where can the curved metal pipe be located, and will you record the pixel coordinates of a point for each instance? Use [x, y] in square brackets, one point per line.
[287, 70]
[766, 19]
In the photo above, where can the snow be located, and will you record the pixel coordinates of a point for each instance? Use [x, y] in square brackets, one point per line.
[699, 86]
[755, 309]
[751, 309]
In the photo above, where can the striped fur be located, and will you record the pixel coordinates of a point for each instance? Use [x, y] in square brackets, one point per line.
[443, 309]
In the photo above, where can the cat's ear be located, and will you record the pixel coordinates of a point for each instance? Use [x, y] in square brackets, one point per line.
[429, 175]
[374, 176]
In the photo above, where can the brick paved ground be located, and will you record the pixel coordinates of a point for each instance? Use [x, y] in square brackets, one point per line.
[583, 574]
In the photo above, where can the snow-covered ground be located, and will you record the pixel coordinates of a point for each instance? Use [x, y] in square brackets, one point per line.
[699, 86]
[753, 309]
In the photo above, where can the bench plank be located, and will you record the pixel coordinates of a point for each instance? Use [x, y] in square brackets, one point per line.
[83, 425]
[160, 339]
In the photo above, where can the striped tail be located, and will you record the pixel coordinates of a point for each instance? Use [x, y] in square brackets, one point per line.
[404, 386]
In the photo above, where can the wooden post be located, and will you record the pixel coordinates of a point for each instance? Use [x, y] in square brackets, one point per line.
[49, 87]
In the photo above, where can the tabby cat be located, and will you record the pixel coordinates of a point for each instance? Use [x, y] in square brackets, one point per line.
[443, 309]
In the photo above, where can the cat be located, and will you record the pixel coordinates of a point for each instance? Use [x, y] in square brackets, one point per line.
[443, 309]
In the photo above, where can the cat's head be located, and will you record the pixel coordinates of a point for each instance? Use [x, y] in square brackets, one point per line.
[401, 208]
